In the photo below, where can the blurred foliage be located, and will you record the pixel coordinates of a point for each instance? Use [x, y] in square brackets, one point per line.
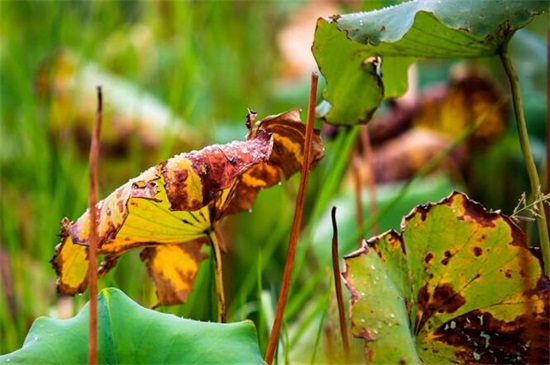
[205, 62]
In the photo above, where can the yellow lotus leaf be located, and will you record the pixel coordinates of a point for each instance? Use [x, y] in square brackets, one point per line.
[170, 209]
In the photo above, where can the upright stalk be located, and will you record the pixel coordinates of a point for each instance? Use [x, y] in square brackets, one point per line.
[356, 173]
[547, 165]
[338, 287]
[296, 223]
[93, 243]
[527, 155]
[220, 295]
[371, 178]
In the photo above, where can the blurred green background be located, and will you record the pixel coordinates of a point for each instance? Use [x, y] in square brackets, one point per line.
[178, 76]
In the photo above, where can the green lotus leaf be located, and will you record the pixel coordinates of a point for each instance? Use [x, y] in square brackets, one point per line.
[400, 35]
[131, 334]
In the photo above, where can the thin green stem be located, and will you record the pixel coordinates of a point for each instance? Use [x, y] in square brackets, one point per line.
[371, 178]
[527, 155]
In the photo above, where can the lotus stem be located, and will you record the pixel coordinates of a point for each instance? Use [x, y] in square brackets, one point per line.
[527, 154]
[93, 243]
[218, 275]
[296, 223]
[338, 287]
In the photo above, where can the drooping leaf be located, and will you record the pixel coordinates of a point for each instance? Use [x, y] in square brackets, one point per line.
[288, 134]
[178, 202]
[345, 46]
[131, 334]
[458, 285]
[173, 269]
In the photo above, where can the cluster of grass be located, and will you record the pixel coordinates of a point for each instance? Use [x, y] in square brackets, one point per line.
[208, 62]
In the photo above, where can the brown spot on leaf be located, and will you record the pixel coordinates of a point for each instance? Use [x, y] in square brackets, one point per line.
[429, 257]
[176, 185]
[391, 239]
[422, 210]
[448, 256]
[364, 334]
[444, 299]
[449, 299]
[478, 213]
[478, 251]
[482, 338]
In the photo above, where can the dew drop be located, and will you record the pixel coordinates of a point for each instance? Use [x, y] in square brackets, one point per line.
[36, 338]
[372, 267]
[392, 315]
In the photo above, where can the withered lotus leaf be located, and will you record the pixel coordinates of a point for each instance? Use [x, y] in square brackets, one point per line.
[457, 285]
[170, 209]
